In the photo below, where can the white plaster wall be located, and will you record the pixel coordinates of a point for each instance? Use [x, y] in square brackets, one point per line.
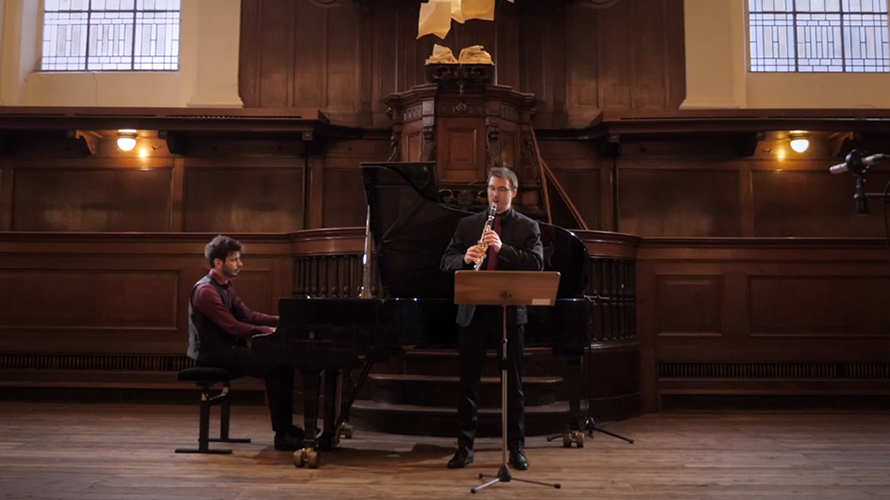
[207, 75]
[717, 75]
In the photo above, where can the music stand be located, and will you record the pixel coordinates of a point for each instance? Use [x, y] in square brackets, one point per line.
[505, 288]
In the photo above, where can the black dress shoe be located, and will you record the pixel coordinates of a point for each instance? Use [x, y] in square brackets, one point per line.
[290, 440]
[461, 459]
[518, 460]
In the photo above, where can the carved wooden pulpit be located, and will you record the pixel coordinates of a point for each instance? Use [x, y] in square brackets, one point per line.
[467, 125]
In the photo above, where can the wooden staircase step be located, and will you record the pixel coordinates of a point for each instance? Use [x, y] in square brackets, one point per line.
[443, 391]
[447, 361]
[442, 421]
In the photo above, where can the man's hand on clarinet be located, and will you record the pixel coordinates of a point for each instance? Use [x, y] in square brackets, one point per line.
[493, 240]
[473, 254]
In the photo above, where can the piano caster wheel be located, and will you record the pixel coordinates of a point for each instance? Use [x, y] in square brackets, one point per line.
[346, 431]
[576, 437]
[307, 456]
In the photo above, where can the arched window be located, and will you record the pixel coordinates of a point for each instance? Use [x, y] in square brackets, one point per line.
[110, 35]
[807, 36]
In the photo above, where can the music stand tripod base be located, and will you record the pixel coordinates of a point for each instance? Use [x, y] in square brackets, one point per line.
[505, 288]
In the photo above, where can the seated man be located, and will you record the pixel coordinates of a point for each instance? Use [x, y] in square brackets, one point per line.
[220, 326]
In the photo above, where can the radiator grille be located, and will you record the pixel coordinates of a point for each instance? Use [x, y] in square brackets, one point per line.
[95, 362]
[850, 371]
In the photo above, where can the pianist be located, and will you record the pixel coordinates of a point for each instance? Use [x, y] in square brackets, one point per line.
[514, 243]
[220, 326]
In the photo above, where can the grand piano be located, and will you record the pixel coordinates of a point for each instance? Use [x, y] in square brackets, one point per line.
[331, 339]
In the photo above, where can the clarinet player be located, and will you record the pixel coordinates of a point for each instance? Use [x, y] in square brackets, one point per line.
[510, 242]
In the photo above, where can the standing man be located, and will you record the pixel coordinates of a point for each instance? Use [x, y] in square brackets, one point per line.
[220, 327]
[514, 244]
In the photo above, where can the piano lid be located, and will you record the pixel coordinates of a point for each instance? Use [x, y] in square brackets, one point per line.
[412, 228]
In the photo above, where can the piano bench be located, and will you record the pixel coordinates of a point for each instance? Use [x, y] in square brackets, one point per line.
[207, 378]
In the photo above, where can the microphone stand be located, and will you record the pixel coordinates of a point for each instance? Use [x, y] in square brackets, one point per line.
[859, 166]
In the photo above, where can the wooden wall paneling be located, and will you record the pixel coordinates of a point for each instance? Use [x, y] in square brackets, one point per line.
[280, 55]
[177, 194]
[412, 53]
[672, 201]
[344, 58]
[675, 76]
[736, 307]
[582, 63]
[312, 51]
[368, 71]
[243, 195]
[556, 71]
[532, 65]
[796, 317]
[647, 327]
[650, 47]
[118, 305]
[89, 298]
[543, 53]
[93, 194]
[386, 33]
[700, 300]
[689, 305]
[843, 305]
[282, 279]
[746, 198]
[608, 168]
[616, 67]
[249, 57]
[574, 165]
[460, 157]
[344, 198]
[343, 62]
[804, 199]
[507, 46]
[126, 295]
[316, 192]
[7, 183]
[412, 147]
[343, 192]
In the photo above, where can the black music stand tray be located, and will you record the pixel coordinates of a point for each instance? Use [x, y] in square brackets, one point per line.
[505, 288]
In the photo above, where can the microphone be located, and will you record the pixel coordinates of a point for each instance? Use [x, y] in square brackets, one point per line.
[856, 163]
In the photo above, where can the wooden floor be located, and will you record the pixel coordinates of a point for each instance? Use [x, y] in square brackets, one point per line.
[111, 452]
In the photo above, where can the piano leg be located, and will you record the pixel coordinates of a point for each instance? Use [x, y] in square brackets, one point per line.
[329, 436]
[575, 372]
[575, 392]
[311, 396]
[574, 385]
[311, 392]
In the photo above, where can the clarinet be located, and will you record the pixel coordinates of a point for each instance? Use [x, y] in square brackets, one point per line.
[491, 213]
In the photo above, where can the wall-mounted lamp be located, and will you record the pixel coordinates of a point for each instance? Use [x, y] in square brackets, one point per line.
[126, 139]
[799, 142]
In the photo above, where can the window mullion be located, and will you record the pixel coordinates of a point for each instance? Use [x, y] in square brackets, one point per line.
[133, 42]
[86, 60]
[794, 30]
[843, 39]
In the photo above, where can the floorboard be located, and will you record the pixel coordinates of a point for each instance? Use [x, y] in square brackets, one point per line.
[125, 452]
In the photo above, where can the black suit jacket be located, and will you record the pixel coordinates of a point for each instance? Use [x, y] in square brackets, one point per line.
[521, 250]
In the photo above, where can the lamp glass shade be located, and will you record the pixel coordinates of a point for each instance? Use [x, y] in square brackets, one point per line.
[126, 143]
[800, 144]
